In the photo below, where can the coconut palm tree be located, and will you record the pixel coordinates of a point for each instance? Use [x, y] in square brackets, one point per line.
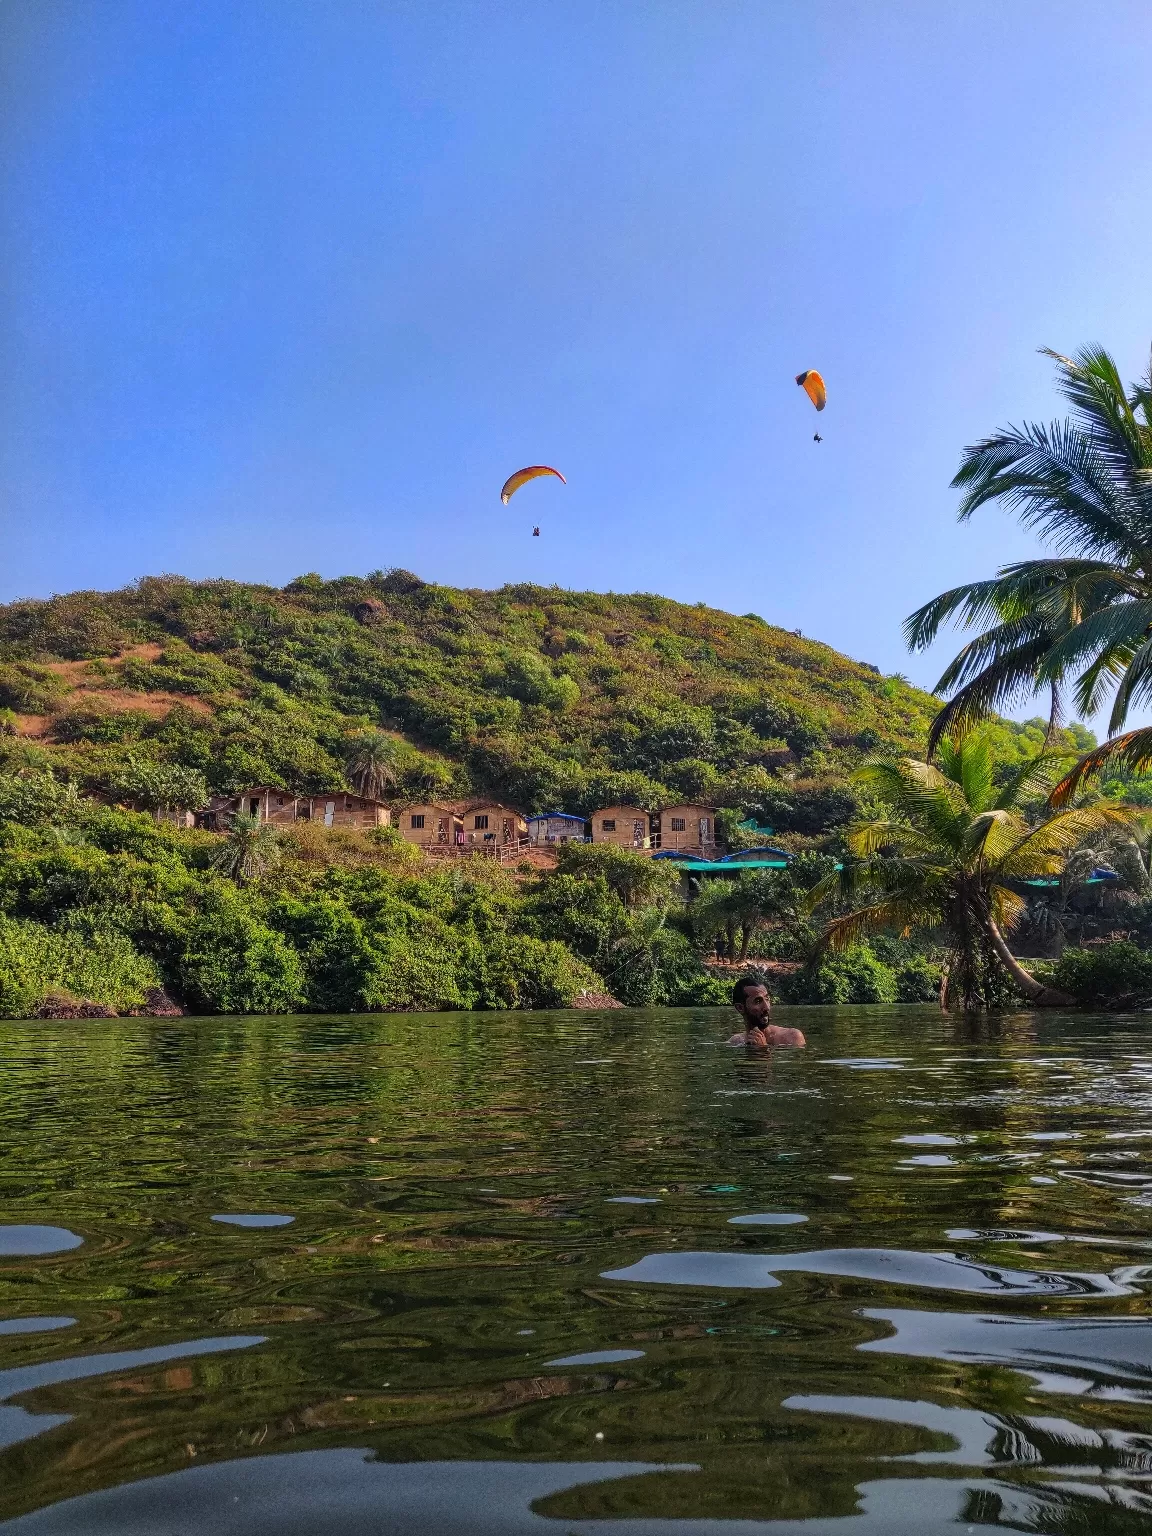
[948, 855]
[250, 849]
[1080, 621]
[374, 762]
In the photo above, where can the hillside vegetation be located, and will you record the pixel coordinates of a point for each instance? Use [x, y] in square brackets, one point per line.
[544, 697]
[153, 695]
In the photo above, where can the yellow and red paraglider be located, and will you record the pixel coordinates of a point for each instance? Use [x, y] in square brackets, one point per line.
[522, 477]
[813, 386]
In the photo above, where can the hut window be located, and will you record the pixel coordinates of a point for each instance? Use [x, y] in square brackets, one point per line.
[279, 799]
[678, 824]
[607, 826]
[417, 823]
[481, 823]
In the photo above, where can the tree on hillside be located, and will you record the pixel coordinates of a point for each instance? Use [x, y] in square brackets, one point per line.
[250, 849]
[738, 909]
[948, 855]
[636, 879]
[1079, 622]
[152, 786]
[374, 763]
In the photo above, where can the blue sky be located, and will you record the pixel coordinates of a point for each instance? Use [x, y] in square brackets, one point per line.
[294, 286]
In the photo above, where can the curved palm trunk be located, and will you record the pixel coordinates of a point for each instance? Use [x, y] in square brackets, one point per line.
[1055, 717]
[1035, 991]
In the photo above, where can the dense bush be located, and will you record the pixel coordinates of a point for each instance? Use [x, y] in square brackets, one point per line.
[809, 808]
[30, 689]
[106, 903]
[853, 975]
[228, 961]
[918, 981]
[100, 967]
[1115, 976]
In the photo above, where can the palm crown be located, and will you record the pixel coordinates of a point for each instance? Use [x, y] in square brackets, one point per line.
[250, 849]
[1081, 619]
[947, 855]
[374, 762]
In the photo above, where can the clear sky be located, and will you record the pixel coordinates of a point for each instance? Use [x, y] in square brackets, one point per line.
[294, 286]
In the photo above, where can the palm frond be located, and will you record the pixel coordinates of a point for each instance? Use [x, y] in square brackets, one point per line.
[1037, 773]
[1118, 626]
[995, 645]
[1130, 753]
[1055, 839]
[1135, 685]
[1007, 908]
[897, 913]
[992, 833]
[869, 837]
[973, 760]
[1093, 683]
[1058, 482]
[1092, 384]
[969, 605]
[1003, 683]
[919, 794]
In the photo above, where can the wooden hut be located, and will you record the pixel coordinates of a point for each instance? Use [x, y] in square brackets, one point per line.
[689, 827]
[624, 826]
[343, 810]
[488, 823]
[282, 808]
[430, 825]
[278, 806]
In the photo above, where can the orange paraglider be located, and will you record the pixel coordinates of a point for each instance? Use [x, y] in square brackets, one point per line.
[813, 386]
[522, 477]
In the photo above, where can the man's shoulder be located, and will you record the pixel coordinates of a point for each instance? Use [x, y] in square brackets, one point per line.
[737, 1039]
[784, 1036]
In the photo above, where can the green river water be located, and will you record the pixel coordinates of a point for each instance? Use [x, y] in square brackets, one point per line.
[521, 1273]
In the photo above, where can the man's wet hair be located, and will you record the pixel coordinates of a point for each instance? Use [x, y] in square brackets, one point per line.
[742, 986]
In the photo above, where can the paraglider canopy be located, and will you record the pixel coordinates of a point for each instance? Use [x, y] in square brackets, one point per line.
[813, 386]
[522, 477]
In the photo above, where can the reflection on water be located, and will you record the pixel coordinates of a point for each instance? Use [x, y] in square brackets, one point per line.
[375, 1274]
[938, 1272]
[241, 1220]
[22, 1241]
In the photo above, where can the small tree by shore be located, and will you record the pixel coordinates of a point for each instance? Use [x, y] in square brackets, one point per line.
[946, 857]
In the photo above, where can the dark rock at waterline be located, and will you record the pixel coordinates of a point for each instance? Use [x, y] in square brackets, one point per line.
[62, 1005]
[59, 1005]
[158, 1005]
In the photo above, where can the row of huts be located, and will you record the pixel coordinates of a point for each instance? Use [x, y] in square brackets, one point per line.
[475, 823]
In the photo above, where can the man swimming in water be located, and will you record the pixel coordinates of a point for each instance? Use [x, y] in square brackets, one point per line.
[751, 1001]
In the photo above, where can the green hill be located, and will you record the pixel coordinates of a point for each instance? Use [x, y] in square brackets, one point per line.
[545, 697]
[148, 696]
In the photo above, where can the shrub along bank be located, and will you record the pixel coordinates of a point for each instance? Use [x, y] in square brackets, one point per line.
[107, 905]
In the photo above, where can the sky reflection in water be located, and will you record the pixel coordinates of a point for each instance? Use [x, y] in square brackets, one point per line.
[266, 1276]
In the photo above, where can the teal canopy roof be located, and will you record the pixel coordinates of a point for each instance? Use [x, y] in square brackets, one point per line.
[723, 867]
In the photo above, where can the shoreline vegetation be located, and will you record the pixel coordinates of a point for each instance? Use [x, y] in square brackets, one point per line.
[934, 850]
